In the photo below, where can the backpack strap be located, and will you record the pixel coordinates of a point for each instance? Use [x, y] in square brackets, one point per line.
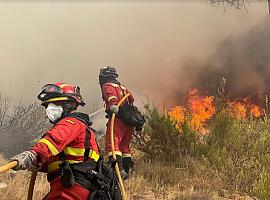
[86, 144]
[87, 137]
[123, 93]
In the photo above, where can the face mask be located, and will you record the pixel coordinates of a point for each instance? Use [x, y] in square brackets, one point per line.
[54, 112]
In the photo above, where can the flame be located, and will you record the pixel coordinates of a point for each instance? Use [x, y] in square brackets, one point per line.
[256, 111]
[237, 109]
[177, 113]
[201, 109]
[244, 109]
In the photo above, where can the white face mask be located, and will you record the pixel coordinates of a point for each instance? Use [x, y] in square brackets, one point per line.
[54, 112]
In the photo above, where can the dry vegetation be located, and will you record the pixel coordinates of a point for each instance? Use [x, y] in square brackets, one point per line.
[150, 181]
[231, 163]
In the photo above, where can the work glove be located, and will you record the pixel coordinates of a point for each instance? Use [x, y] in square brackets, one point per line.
[26, 160]
[114, 109]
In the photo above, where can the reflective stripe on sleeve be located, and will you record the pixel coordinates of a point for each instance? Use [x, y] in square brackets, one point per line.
[52, 148]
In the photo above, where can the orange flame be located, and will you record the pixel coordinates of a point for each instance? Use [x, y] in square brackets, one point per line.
[256, 111]
[177, 113]
[201, 109]
[244, 109]
[237, 109]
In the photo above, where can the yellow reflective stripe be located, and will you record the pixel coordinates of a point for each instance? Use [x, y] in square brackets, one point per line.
[80, 152]
[119, 153]
[94, 155]
[55, 165]
[74, 151]
[50, 146]
[112, 97]
[56, 99]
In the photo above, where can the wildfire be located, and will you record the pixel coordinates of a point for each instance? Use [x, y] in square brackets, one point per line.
[244, 109]
[178, 113]
[201, 109]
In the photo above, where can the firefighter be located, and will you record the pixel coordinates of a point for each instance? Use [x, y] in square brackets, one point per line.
[66, 151]
[112, 92]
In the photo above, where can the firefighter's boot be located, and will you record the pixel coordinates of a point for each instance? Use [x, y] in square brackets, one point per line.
[128, 164]
[112, 161]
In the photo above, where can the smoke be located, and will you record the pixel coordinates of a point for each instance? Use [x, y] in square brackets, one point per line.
[243, 61]
[160, 48]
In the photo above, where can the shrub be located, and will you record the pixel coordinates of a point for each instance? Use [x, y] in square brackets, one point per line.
[162, 140]
[238, 149]
[20, 125]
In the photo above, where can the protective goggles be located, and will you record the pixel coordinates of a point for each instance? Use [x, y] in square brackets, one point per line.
[69, 89]
[51, 90]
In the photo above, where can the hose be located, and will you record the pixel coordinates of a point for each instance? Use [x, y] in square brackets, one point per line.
[31, 185]
[8, 166]
[113, 150]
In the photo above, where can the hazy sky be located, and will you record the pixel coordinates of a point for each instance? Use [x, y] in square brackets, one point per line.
[147, 41]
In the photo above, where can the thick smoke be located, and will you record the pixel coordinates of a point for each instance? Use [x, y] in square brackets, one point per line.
[160, 48]
[244, 62]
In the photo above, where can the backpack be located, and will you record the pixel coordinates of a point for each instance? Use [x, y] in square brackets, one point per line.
[106, 182]
[131, 115]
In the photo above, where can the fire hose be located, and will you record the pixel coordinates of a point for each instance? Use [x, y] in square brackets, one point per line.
[8, 166]
[113, 150]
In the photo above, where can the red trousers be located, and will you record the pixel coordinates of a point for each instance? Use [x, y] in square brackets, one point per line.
[59, 192]
[122, 137]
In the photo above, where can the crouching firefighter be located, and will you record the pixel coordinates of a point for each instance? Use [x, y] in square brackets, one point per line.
[68, 153]
[112, 92]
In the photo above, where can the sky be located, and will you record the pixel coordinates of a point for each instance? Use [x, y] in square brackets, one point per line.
[147, 41]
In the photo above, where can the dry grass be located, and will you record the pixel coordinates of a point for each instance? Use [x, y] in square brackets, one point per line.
[150, 181]
[17, 184]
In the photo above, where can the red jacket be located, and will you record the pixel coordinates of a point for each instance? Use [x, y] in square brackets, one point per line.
[69, 135]
[112, 94]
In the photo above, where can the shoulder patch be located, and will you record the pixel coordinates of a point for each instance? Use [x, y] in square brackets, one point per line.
[70, 121]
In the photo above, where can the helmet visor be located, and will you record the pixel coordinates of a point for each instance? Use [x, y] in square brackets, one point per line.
[50, 91]
[49, 88]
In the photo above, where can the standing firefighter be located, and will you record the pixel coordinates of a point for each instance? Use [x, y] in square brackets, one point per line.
[68, 152]
[112, 92]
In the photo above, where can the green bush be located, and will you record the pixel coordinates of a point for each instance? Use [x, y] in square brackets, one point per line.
[161, 139]
[238, 149]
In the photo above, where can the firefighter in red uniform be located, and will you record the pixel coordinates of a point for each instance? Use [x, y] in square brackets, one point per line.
[66, 151]
[112, 92]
